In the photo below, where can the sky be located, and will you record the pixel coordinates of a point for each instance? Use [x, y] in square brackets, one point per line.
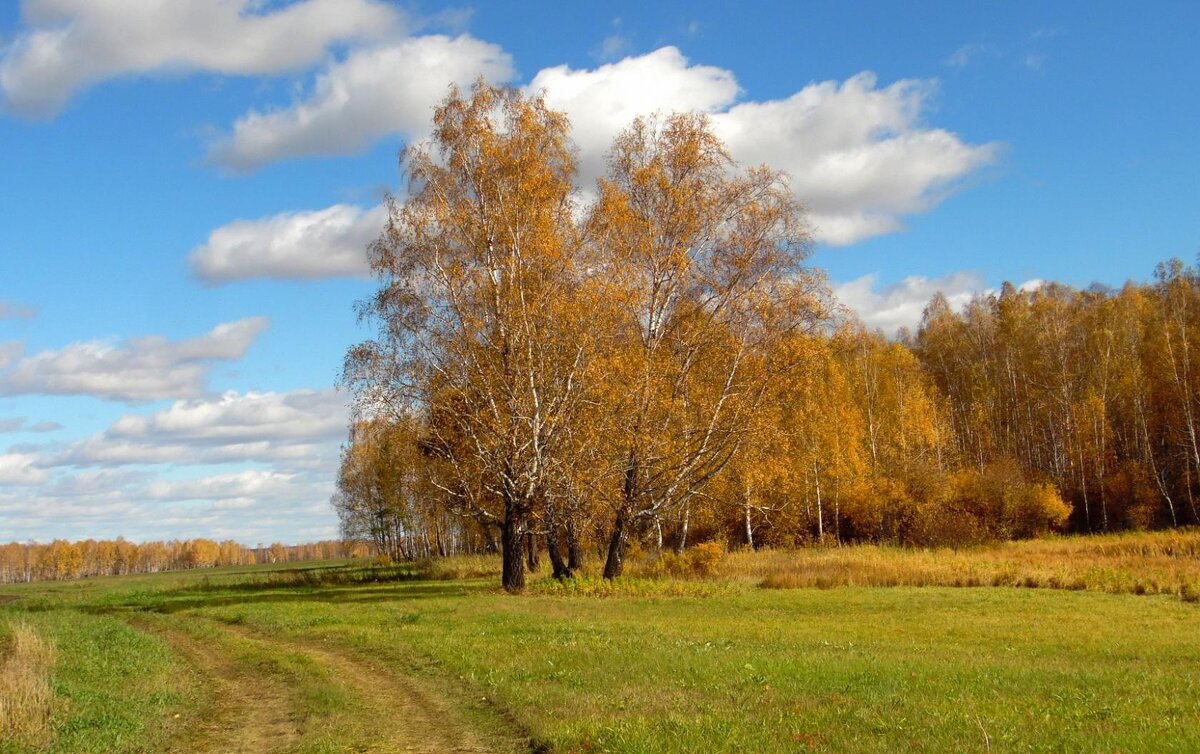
[187, 188]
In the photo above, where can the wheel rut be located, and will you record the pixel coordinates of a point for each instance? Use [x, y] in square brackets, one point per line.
[386, 712]
[250, 713]
[407, 719]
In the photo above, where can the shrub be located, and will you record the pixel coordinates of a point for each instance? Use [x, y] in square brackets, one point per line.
[705, 560]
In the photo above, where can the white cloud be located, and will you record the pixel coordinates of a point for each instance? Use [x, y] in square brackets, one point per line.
[247, 417]
[331, 242]
[902, 304]
[299, 429]
[151, 476]
[602, 101]
[107, 504]
[71, 44]
[858, 155]
[965, 55]
[11, 425]
[375, 91]
[612, 47]
[16, 310]
[138, 369]
[20, 469]
[241, 488]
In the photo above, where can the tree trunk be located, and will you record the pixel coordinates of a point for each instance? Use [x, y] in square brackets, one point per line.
[560, 569]
[615, 562]
[533, 559]
[574, 553]
[820, 510]
[683, 529]
[489, 537]
[512, 549]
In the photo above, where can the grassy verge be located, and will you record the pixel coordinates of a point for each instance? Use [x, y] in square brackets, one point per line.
[114, 688]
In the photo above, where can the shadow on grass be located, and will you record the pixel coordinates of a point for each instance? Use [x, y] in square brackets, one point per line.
[194, 597]
[323, 584]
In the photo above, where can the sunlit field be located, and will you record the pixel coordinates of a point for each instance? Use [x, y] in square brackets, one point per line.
[336, 657]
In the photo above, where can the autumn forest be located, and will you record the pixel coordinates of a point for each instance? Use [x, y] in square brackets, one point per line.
[653, 365]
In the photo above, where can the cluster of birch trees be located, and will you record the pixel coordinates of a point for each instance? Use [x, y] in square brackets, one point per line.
[650, 363]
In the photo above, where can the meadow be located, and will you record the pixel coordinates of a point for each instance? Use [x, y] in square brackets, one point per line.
[1074, 644]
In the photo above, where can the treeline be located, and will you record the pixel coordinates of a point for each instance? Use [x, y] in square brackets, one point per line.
[1095, 391]
[657, 367]
[60, 559]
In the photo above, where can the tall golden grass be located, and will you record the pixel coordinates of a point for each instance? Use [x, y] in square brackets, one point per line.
[26, 697]
[1130, 563]
[1137, 563]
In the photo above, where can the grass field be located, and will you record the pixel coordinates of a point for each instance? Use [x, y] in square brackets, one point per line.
[325, 658]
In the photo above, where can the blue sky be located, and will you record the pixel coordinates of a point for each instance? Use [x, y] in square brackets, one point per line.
[187, 186]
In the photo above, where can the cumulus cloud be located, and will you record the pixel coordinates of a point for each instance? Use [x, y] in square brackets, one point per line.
[134, 370]
[331, 242]
[160, 474]
[242, 488]
[858, 154]
[602, 101]
[71, 44]
[249, 506]
[242, 417]
[901, 304]
[152, 475]
[16, 310]
[20, 469]
[378, 90]
[300, 428]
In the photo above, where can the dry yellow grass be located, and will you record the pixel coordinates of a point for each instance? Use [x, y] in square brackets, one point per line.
[26, 698]
[1139, 563]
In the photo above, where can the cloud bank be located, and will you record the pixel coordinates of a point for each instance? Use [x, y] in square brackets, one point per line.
[72, 44]
[133, 370]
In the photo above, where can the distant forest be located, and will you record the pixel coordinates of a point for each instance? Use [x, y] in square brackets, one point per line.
[60, 559]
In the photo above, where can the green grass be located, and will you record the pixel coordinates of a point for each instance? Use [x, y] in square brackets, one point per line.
[723, 667]
[117, 688]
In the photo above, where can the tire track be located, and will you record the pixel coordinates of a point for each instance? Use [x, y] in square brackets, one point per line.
[250, 713]
[405, 718]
